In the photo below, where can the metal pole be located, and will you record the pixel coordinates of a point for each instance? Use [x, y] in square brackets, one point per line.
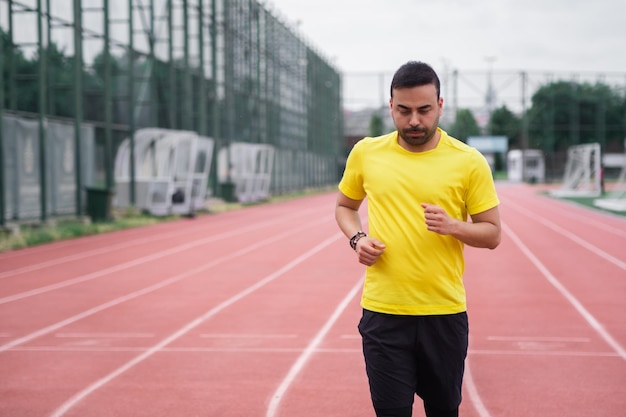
[490, 98]
[216, 104]
[78, 102]
[187, 96]
[42, 113]
[259, 126]
[173, 99]
[455, 97]
[2, 162]
[108, 116]
[202, 128]
[11, 62]
[524, 136]
[131, 99]
[14, 187]
[50, 70]
[154, 101]
[601, 117]
[574, 113]
[229, 67]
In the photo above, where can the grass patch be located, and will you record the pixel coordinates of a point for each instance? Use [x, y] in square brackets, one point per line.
[588, 202]
[38, 234]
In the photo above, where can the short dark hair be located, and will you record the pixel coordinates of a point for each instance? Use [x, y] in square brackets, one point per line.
[415, 74]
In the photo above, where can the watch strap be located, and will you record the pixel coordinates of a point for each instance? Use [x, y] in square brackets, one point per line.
[354, 239]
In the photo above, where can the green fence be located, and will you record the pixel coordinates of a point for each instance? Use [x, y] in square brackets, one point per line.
[227, 69]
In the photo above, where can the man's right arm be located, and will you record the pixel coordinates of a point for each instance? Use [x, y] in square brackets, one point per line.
[347, 215]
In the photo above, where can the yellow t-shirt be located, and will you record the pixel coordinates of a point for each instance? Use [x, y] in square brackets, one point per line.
[421, 272]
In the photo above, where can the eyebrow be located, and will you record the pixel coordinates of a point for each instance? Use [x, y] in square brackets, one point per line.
[424, 107]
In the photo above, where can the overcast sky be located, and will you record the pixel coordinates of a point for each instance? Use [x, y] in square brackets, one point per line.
[545, 35]
[548, 37]
[367, 40]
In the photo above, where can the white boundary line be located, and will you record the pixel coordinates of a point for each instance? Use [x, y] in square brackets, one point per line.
[246, 336]
[483, 352]
[561, 353]
[590, 221]
[137, 242]
[76, 398]
[472, 391]
[591, 320]
[135, 262]
[538, 339]
[572, 237]
[151, 288]
[94, 335]
[308, 352]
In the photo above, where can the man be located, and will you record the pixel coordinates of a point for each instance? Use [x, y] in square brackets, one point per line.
[421, 185]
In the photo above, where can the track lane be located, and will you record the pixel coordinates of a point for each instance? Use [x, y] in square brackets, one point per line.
[120, 281]
[526, 340]
[594, 277]
[311, 310]
[233, 269]
[85, 258]
[530, 346]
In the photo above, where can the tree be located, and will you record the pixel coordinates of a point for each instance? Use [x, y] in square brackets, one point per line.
[504, 123]
[464, 125]
[377, 126]
[60, 82]
[566, 113]
[25, 86]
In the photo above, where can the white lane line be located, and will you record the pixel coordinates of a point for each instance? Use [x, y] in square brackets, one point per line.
[247, 336]
[103, 335]
[152, 288]
[562, 353]
[116, 247]
[76, 398]
[596, 223]
[538, 339]
[561, 212]
[81, 256]
[591, 320]
[308, 352]
[486, 352]
[472, 391]
[594, 249]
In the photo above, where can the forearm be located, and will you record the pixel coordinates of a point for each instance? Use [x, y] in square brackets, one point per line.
[478, 235]
[348, 220]
[368, 249]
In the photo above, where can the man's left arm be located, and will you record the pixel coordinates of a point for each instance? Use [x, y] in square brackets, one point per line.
[483, 231]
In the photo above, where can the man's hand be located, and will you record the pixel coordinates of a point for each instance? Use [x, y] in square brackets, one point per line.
[369, 249]
[482, 232]
[438, 221]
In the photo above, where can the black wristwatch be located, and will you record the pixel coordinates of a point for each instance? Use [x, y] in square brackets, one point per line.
[356, 238]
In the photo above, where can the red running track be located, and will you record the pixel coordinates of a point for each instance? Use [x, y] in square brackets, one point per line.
[253, 313]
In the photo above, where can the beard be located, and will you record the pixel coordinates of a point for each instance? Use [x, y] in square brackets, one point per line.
[424, 138]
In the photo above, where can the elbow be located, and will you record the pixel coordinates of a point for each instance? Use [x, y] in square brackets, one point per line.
[495, 242]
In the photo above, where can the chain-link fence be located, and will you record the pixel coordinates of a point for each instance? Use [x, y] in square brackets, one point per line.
[226, 69]
[552, 109]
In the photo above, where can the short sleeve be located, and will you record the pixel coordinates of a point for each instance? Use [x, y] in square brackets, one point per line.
[481, 195]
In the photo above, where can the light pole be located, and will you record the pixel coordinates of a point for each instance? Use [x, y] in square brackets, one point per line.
[490, 96]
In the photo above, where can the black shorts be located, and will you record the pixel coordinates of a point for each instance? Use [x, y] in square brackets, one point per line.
[408, 355]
